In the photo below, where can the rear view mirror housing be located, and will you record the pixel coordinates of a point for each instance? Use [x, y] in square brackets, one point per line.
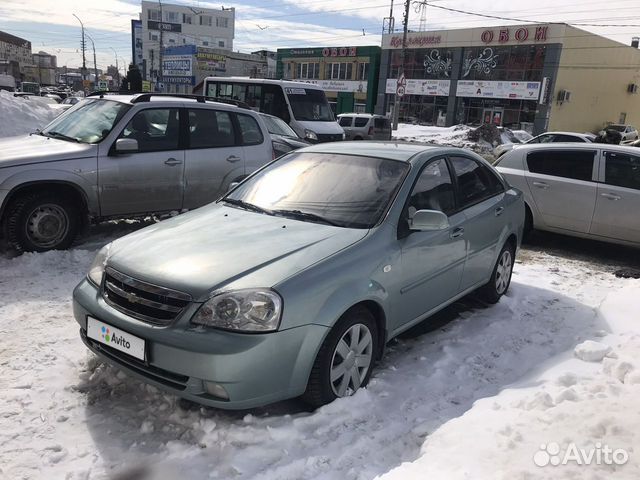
[428, 221]
[126, 145]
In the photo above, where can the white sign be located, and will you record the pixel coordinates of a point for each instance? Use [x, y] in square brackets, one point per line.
[497, 89]
[115, 338]
[355, 86]
[420, 87]
[177, 65]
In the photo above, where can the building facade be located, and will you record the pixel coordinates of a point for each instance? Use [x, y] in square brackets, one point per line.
[536, 77]
[44, 68]
[349, 75]
[170, 26]
[15, 54]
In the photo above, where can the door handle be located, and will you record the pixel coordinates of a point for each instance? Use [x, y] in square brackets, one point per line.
[611, 196]
[499, 211]
[541, 185]
[172, 162]
[233, 159]
[457, 232]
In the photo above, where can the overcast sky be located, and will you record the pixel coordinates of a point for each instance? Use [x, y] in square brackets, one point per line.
[272, 24]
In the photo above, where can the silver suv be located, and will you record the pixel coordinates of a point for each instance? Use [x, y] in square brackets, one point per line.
[121, 156]
[365, 126]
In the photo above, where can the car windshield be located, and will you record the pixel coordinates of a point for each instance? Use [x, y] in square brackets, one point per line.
[277, 126]
[343, 190]
[617, 128]
[87, 122]
[309, 105]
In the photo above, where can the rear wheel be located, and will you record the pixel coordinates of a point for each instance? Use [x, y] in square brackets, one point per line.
[345, 360]
[37, 222]
[501, 276]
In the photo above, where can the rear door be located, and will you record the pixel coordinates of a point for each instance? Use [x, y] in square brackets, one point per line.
[563, 187]
[151, 179]
[480, 197]
[214, 155]
[618, 200]
[361, 128]
[256, 143]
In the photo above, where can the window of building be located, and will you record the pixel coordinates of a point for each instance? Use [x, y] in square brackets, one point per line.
[339, 71]
[308, 70]
[575, 164]
[172, 17]
[206, 41]
[363, 71]
[154, 15]
[622, 170]
[222, 43]
[433, 190]
[187, 18]
[475, 182]
[153, 37]
[206, 20]
[222, 22]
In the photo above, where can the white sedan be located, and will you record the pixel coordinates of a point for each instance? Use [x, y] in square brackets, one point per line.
[548, 137]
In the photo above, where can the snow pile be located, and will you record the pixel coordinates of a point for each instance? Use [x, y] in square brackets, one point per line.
[19, 116]
[577, 418]
[455, 136]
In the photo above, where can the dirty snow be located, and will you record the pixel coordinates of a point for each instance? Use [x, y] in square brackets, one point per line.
[19, 116]
[493, 382]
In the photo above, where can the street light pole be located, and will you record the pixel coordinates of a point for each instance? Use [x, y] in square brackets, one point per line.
[117, 69]
[95, 65]
[83, 44]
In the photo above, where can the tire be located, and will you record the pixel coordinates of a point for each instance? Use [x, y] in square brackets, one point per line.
[357, 138]
[41, 221]
[501, 275]
[320, 388]
[528, 222]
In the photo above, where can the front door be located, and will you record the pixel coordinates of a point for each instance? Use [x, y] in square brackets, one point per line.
[214, 156]
[618, 199]
[432, 262]
[151, 179]
[563, 187]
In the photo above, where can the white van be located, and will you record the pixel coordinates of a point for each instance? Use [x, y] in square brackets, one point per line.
[302, 105]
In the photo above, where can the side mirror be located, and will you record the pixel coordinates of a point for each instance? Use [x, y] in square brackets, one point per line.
[233, 185]
[428, 221]
[126, 145]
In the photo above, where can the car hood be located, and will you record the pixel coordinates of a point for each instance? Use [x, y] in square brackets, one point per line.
[293, 142]
[322, 127]
[26, 149]
[219, 246]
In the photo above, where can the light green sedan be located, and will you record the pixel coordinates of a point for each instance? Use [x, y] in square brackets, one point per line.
[292, 283]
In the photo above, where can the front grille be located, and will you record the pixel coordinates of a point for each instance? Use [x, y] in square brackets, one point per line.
[329, 137]
[144, 301]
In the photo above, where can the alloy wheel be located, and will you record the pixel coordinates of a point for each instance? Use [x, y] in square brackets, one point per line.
[503, 272]
[351, 360]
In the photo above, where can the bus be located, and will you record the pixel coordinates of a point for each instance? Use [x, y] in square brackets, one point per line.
[302, 105]
[30, 87]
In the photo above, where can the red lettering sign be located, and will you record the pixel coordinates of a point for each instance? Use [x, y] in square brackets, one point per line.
[487, 36]
[541, 34]
[522, 34]
[396, 41]
[504, 35]
[326, 52]
[352, 52]
[334, 52]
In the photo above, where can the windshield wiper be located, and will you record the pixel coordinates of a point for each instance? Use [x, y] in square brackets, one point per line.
[247, 206]
[61, 136]
[305, 216]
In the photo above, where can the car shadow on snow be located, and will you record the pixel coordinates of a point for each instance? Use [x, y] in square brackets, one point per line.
[431, 374]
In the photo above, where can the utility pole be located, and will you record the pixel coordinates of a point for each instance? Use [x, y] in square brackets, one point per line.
[160, 51]
[83, 44]
[117, 69]
[95, 65]
[405, 22]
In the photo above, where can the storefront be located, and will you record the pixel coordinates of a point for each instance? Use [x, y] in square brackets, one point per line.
[348, 75]
[512, 76]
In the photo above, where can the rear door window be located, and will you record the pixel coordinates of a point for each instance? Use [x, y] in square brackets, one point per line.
[210, 129]
[575, 164]
[249, 130]
[622, 170]
[361, 122]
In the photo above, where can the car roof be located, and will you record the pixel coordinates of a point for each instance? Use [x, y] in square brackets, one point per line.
[566, 133]
[359, 115]
[577, 146]
[402, 151]
[131, 99]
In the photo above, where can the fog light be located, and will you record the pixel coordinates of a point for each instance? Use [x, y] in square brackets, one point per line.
[216, 390]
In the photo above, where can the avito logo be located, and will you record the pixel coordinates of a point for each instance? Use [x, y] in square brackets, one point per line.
[111, 337]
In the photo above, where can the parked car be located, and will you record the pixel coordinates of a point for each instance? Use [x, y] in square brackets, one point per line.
[365, 126]
[121, 156]
[283, 137]
[66, 104]
[627, 132]
[549, 137]
[53, 96]
[292, 283]
[583, 190]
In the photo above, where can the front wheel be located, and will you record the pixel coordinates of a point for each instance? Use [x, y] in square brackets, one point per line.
[501, 276]
[345, 360]
[38, 222]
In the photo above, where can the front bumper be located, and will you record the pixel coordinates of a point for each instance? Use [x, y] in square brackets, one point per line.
[254, 369]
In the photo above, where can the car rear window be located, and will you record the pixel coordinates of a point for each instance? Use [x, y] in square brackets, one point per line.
[361, 121]
[575, 164]
[381, 122]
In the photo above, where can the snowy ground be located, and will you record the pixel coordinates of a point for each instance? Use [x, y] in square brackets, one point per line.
[471, 394]
[19, 116]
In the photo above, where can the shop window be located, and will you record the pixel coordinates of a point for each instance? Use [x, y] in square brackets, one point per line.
[575, 164]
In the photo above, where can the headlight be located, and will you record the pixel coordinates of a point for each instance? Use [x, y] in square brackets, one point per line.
[344, 135]
[97, 267]
[249, 310]
[310, 135]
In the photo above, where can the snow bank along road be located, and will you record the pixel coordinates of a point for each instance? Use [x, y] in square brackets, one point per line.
[474, 397]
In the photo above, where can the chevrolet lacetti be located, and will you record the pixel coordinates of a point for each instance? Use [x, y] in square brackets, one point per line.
[293, 282]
